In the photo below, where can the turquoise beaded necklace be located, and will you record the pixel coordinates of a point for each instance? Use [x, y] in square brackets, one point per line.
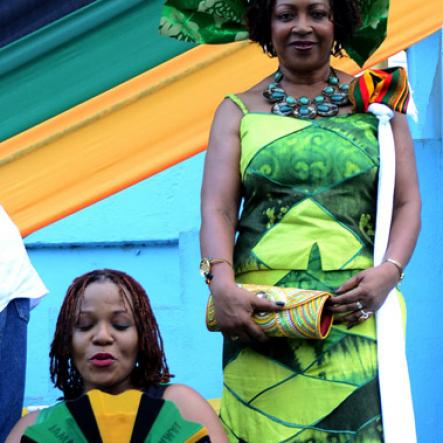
[327, 104]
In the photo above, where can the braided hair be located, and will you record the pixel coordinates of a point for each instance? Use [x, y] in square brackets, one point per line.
[345, 13]
[151, 367]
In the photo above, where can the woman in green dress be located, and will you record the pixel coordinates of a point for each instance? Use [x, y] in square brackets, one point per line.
[305, 177]
[107, 358]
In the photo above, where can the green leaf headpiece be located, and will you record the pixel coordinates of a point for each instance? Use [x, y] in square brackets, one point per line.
[222, 21]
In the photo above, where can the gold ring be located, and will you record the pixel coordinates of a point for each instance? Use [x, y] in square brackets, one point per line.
[234, 337]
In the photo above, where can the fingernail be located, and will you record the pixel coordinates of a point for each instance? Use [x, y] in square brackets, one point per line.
[280, 303]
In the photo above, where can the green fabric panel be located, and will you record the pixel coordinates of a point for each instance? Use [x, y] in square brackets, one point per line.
[258, 369]
[233, 413]
[79, 57]
[344, 416]
[67, 28]
[319, 397]
[204, 21]
[259, 129]
[170, 426]
[311, 187]
[371, 432]
[55, 425]
[371, 32]
[338, 363]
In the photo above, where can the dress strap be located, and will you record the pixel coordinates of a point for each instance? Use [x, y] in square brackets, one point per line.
[156, 391]
[234, 98]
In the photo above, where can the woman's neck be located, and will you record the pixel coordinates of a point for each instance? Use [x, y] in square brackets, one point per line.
[309, 78]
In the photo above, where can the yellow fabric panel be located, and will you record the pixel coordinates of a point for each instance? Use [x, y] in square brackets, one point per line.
[150, 123]
[215, 404]
[403, 307]
[261, 422]
[288, 244]
[270, 128]
[359, 262]
[308, 390]
[115, 414]
[364, 329]
[264, 277]
[197, 436]
[260, 369]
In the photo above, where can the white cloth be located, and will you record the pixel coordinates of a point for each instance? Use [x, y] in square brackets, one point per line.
[396, 400]
[18, 278]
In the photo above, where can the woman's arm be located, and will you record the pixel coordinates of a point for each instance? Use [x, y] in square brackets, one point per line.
[406, 220]
[19, 429]
[220, 196]
[371, 286]
[220, 200]
[194, 407]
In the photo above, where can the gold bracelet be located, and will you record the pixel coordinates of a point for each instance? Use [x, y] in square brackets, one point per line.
[398, 265]
[206, 264]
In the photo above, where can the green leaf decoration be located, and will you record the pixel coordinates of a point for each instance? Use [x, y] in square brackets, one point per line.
[222, 21]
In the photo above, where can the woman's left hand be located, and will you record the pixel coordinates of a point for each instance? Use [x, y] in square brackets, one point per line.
[362, 295]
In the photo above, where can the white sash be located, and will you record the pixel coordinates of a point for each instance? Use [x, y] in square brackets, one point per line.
[396, 400]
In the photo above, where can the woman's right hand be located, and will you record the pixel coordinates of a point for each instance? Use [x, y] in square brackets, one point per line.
[234, 307]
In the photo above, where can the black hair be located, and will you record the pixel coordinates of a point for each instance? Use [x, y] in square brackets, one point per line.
[151, 361]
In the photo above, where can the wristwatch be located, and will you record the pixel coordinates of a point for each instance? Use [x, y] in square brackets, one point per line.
[206, 264]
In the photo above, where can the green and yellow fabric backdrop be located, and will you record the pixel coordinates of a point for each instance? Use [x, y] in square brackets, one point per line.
[96, 101]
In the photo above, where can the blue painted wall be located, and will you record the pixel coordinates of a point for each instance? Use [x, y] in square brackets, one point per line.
[151, 231]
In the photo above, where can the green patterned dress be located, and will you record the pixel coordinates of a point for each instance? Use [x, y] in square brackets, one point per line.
[307, 221]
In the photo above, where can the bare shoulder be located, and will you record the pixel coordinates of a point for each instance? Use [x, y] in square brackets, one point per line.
[182, 395]
[194, 407]
[227, 117]
[253, 97]
[19, 429]
[227, 107]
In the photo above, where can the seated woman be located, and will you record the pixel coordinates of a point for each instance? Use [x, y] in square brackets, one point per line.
[107, 358]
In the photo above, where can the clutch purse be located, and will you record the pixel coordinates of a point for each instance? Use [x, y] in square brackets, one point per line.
[303, 316]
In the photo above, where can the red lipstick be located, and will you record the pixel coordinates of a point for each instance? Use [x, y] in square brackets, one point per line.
[102, 359]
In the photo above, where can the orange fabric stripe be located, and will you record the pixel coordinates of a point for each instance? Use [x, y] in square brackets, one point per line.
[121, 137]
[150, 123]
